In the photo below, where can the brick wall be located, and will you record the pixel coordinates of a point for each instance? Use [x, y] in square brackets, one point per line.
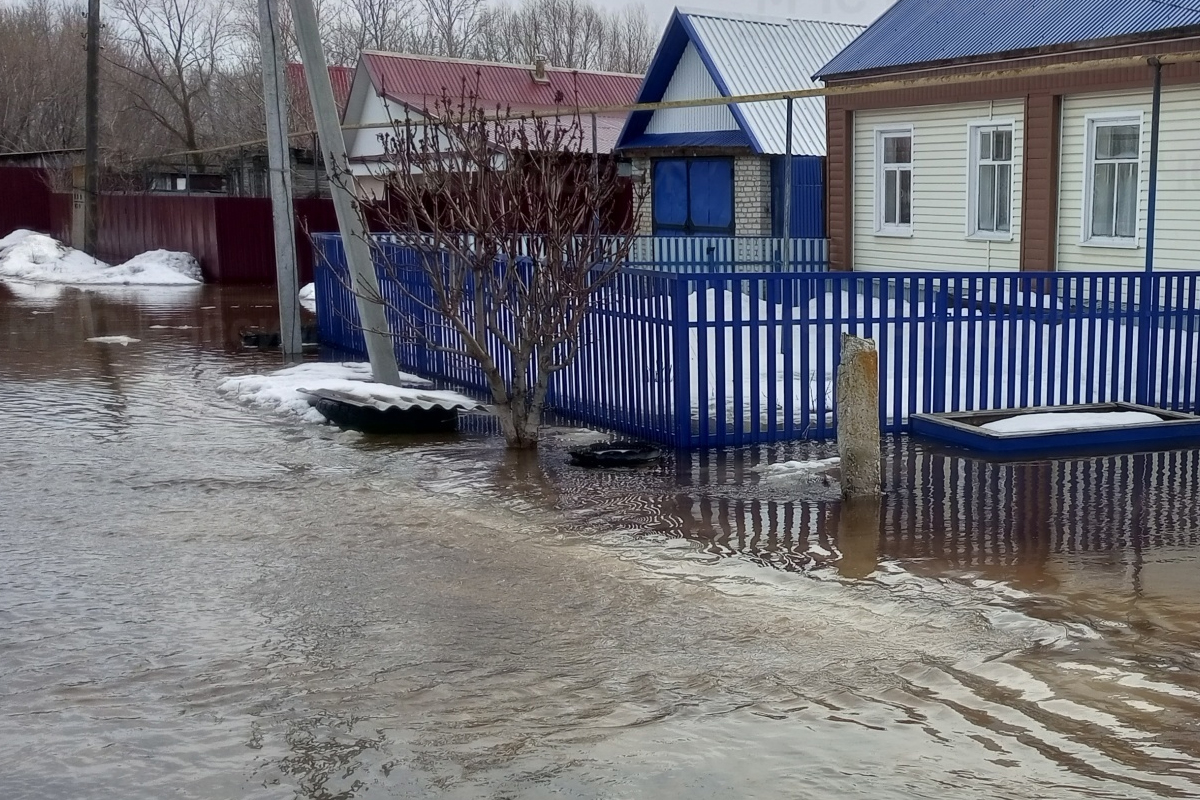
[644, 223]
[752, 196]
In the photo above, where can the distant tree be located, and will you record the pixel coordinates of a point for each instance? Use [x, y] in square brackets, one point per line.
[172, 51]
[471, 189]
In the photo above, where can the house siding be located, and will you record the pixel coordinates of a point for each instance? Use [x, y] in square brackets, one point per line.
[940, 166]
[691, 81]
[1177, 227]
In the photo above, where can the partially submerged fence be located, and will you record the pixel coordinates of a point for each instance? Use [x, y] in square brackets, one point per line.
[696, 359]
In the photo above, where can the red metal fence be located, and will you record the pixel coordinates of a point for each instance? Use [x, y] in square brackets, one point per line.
[231, 237]
[24, 199]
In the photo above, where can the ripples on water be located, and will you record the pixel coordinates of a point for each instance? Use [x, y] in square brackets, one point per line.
[199, 601]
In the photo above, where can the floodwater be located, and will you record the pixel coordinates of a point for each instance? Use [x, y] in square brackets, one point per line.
[199, 600]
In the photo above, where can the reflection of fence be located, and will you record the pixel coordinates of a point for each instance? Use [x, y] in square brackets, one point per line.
[714, 359]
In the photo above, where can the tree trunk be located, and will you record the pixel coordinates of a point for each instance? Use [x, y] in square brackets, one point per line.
[520, 422]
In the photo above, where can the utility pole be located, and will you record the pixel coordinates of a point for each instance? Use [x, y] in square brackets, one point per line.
[364, 283]
[279, 171]
[91, 130]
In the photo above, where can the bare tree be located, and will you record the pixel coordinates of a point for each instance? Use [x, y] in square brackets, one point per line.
[504, 213]
[41, 76]
[451, 26]
[172, 51]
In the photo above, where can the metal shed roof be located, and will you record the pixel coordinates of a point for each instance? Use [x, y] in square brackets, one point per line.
[923, 31]
[750, 55]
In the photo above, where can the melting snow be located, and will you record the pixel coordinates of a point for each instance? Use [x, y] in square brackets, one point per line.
[1053, 421]
[789, 469]
[38, 258]
[124, 341]
[280, 392]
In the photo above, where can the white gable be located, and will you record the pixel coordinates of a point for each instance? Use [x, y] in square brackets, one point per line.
[691, 81]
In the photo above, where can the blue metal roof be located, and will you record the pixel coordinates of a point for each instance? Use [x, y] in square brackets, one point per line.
[695, 139]
[922, 31]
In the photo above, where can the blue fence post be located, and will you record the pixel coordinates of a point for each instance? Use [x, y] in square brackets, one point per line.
[941, 303]
[681, 361]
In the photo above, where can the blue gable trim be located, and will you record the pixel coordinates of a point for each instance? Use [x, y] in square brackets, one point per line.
[678, 34]
[696, 139]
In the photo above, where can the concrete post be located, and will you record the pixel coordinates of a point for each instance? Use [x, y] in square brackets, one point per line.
[353, 228]
[280, 180]
[858, 417]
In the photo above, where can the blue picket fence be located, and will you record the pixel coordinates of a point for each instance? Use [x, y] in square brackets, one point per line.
[713, 359]
[729, 254]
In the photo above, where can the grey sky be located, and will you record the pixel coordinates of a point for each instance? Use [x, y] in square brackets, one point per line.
[860, 11]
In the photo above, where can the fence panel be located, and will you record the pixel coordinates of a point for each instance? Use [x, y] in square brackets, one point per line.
[712, 359]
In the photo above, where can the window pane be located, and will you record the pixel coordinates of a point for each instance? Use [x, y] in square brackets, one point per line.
[670, 192]
[897, 149]
[711, 193]
[1103, 196]
[985, 145]
[986, 198]
[1003, 196]
[905, 197]
[1117, 141]
[889, 197]
[1127, 189]
[1002, 145]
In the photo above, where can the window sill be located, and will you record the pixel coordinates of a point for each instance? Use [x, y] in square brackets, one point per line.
[985, 237]
[1118, 244]
[896, 234]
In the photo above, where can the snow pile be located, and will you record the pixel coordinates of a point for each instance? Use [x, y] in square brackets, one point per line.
[1054, 421]
[799, 469]
[308, 297]
[38, 258]
[280, 392]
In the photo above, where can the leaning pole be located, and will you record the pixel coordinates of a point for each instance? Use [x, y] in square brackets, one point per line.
[364, 283]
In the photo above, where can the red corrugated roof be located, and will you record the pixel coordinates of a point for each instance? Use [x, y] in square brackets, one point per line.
[419, 81]
[340, 77]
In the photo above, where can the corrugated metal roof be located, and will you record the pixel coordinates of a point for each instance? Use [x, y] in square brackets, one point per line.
[923, 31]
[756, 55]
[420, 81]
[751, 55]
[340, 77]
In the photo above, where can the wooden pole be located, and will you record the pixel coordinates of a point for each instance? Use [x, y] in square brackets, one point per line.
[858, 417]
[91, 131]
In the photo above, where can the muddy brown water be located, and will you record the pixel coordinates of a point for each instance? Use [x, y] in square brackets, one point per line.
[201, 600]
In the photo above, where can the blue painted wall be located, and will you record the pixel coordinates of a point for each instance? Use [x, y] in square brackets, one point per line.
[808, 196]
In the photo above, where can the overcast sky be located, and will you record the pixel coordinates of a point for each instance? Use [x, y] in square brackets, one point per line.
[860, 11]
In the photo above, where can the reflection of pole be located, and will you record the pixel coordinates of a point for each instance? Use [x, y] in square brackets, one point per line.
[91, 129]
[858, 536]
[279, 177]
[364, 282]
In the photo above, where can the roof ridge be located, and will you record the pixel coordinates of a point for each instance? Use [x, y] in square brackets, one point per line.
[483, 63]
[761, 18]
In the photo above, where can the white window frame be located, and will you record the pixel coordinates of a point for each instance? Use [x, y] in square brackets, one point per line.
[881, 228]
[1132, 116]
[972, 219]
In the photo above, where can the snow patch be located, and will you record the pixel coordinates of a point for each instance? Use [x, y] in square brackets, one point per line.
[124, 341]
[1054, 421]
[280, 392]
[308, 297]
[794, 469]
[38, 258]
[172, 327]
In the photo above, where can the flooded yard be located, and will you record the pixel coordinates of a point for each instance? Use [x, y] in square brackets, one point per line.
[201, 600]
